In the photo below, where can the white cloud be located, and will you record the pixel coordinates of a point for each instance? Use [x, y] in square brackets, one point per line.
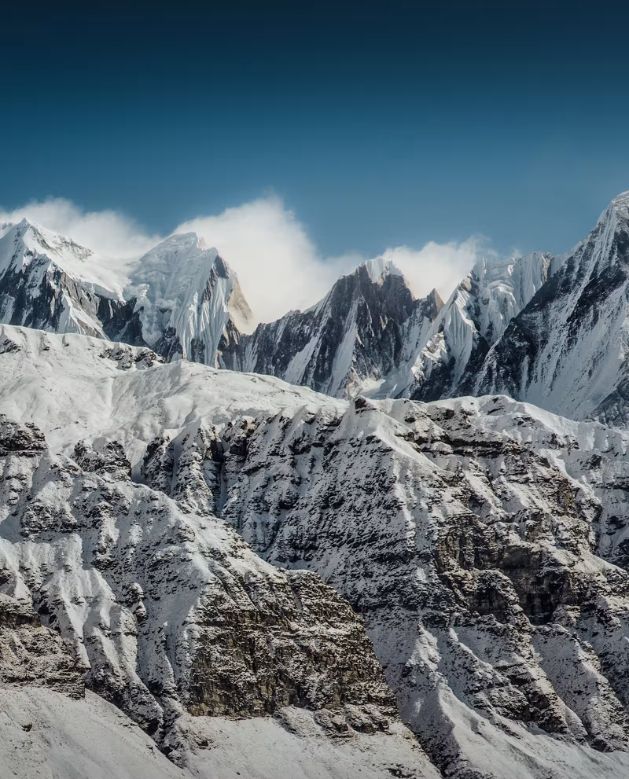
[437, 266]
[108, 233]
[278, 265]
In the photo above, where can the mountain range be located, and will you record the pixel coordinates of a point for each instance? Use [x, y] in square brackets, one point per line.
[385, 536]
[520, 326]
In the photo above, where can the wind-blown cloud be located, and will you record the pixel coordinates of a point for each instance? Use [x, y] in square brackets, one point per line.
[439, 266]
[278, 264]
[109, 233]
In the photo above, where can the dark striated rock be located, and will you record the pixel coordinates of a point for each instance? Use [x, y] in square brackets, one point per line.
[31, 654]
[294, 643]
[354, 336]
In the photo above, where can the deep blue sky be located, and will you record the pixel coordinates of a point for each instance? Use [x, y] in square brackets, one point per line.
[378, 123]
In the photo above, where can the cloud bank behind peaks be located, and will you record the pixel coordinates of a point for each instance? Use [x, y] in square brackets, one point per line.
[278, 264]
[280, 268]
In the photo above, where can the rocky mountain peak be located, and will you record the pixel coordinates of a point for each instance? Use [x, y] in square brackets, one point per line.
[434, 299]
[571, 337]
[379, 268]
[605, 246]
[347, 343]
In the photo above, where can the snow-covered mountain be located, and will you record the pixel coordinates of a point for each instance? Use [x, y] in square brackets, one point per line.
[180, 298]
[50, 282]
[351, 341]
[188, 300]
[233, 575]
[551, 330]
[445, 363]
[483, 542]
[568, 348]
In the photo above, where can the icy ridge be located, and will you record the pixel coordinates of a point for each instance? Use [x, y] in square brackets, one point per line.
[445, 360]
[571, 340]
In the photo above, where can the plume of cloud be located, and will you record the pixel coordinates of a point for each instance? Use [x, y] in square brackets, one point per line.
[109, 233]
[439, 266]
[278, 265]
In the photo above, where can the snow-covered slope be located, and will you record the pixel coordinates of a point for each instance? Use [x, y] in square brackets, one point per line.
[446, 362]
[351, 341]
[483, 541]
[567, 350]
[47, 735]
[77, 388]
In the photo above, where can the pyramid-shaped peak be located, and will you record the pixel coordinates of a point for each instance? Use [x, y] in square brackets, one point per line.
[617, 211]
[182, 241]
[379, 268]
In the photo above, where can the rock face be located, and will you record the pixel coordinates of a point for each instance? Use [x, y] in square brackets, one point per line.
[352, 340]
[288, 643]
[492, 579]
[175, 611]
[482, 541]
[31, 654]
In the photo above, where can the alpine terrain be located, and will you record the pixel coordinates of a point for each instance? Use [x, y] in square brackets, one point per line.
[387, 536]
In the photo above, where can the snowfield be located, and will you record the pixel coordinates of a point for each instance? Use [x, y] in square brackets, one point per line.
[46, 735]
